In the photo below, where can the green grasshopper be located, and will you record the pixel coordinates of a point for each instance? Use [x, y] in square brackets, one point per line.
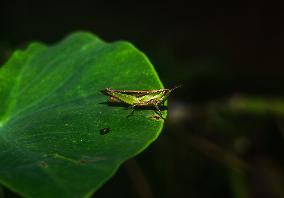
[139, 98]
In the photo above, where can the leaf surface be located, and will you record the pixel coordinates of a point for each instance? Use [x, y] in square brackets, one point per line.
[52, 114]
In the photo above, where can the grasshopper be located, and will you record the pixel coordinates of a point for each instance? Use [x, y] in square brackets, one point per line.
[139, 98]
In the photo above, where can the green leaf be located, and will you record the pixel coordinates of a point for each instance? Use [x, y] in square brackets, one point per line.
[52, 112]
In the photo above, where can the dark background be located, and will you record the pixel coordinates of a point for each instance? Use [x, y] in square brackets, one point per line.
[224, 136]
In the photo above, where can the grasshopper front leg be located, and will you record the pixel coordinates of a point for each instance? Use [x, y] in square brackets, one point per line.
[159, 112]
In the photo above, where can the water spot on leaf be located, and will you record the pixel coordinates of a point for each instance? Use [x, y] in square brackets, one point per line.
[43, 164]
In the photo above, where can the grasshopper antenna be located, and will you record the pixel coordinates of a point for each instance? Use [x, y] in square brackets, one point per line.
[175, 87]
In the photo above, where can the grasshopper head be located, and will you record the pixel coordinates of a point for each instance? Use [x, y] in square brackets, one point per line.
[167, 93]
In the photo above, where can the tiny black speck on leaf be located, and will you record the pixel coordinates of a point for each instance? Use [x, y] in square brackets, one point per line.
[157, 117]
[104, 131]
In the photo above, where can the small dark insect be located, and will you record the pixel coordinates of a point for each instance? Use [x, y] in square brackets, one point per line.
[104, 131]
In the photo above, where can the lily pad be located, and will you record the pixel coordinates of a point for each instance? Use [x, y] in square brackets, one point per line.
[52, 115]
